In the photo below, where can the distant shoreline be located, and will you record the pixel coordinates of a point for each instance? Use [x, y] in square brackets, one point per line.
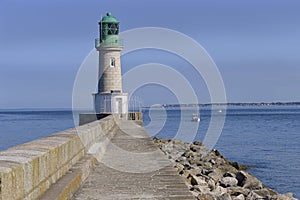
[228, 104]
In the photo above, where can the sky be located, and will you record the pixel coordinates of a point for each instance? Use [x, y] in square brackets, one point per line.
[255, 45]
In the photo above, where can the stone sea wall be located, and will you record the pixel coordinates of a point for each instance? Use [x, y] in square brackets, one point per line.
[210, 176]
[27, 171]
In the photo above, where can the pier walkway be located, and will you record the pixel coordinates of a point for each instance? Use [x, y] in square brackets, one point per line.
[132, 167]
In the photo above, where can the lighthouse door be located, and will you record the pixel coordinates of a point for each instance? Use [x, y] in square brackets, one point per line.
[119, 105]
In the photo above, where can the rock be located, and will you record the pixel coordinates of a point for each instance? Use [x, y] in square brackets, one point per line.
[217, 153]
[243, 167]
[224, 196]
[216, 175]
[246, 180]
[156, 140]
[195, 148]
[263, 192]
[220, 161]
[254, 196]
[212, 161]
[206, 196]
[287, 196]
[229, 174]
[234, 164]
[184, 173]
[207, 165]
[177, 142]
[211, 184]
[220, 190]
[205, 171]
[236, 191]
[271, 191]
[195, 180]
[198, 143]
[228, 168]
[197, 172]
[186, 166]
[242, 178]
[210, 176]
[200, 189]
[239, 197]
[188, 154]
[164, 140]
[179, 166]
[180, 159]
[228, 182]
[193, 161]
[195, 194]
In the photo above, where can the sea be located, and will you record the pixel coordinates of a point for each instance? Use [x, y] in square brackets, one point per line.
[267, 139]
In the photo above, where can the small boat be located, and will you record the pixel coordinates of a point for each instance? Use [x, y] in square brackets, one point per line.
[196, 117]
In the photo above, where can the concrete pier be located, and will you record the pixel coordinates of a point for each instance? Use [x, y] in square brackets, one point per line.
[145, 174]
[105, 159]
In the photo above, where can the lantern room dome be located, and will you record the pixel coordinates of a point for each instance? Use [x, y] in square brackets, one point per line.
[109, 19]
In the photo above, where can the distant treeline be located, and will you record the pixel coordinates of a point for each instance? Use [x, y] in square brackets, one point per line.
[232, 104]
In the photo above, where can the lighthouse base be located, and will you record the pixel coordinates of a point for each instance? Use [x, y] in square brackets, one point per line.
[111, 103]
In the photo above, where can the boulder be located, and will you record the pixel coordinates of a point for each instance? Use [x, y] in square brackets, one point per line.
[228, 182]
[212, 161]
[197, 172]
[195, 180]
[198, 143]
[224, 196]
[210, 176]
[263, 193]
[177, 142]
[216, 175]
[200, 189]
[236, 191]
[229, 174]
[206, 196]
[184, 173]
[211, 184]
[271, 191]
[228, 168]
[195, 148]
[180, 159]
[287, 196]
[220, 190]
[187, 166]
[207, 165]
[179, 166]
[254, 196]
[193, 161]
[239, 197]
[195, 194]
[248, 181]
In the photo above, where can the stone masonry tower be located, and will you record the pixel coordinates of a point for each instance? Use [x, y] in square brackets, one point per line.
[110, 99]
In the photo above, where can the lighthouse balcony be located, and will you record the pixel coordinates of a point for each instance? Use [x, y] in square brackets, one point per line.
[108, 43]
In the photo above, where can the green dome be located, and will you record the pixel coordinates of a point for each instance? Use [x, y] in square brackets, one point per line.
[109, 18]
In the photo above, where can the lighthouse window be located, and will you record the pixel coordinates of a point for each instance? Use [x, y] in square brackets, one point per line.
[113, 29]
[112, 62]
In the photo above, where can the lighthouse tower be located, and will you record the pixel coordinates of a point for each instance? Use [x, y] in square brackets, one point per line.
[110, 99]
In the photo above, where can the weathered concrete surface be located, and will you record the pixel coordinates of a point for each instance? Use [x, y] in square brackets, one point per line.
[133, 168]
[27, 171]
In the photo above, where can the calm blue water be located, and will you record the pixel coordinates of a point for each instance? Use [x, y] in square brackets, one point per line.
[267, 138]
[20, 126]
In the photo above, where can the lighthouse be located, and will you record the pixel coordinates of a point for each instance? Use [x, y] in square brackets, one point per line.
[110, 98]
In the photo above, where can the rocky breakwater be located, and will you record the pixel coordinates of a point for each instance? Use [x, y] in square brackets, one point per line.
[210, 176]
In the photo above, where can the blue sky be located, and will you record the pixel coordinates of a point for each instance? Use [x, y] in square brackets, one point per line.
[255, 44]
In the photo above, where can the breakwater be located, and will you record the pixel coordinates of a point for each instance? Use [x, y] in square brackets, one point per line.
[209, 175]
[27, 171]
[55, 167]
